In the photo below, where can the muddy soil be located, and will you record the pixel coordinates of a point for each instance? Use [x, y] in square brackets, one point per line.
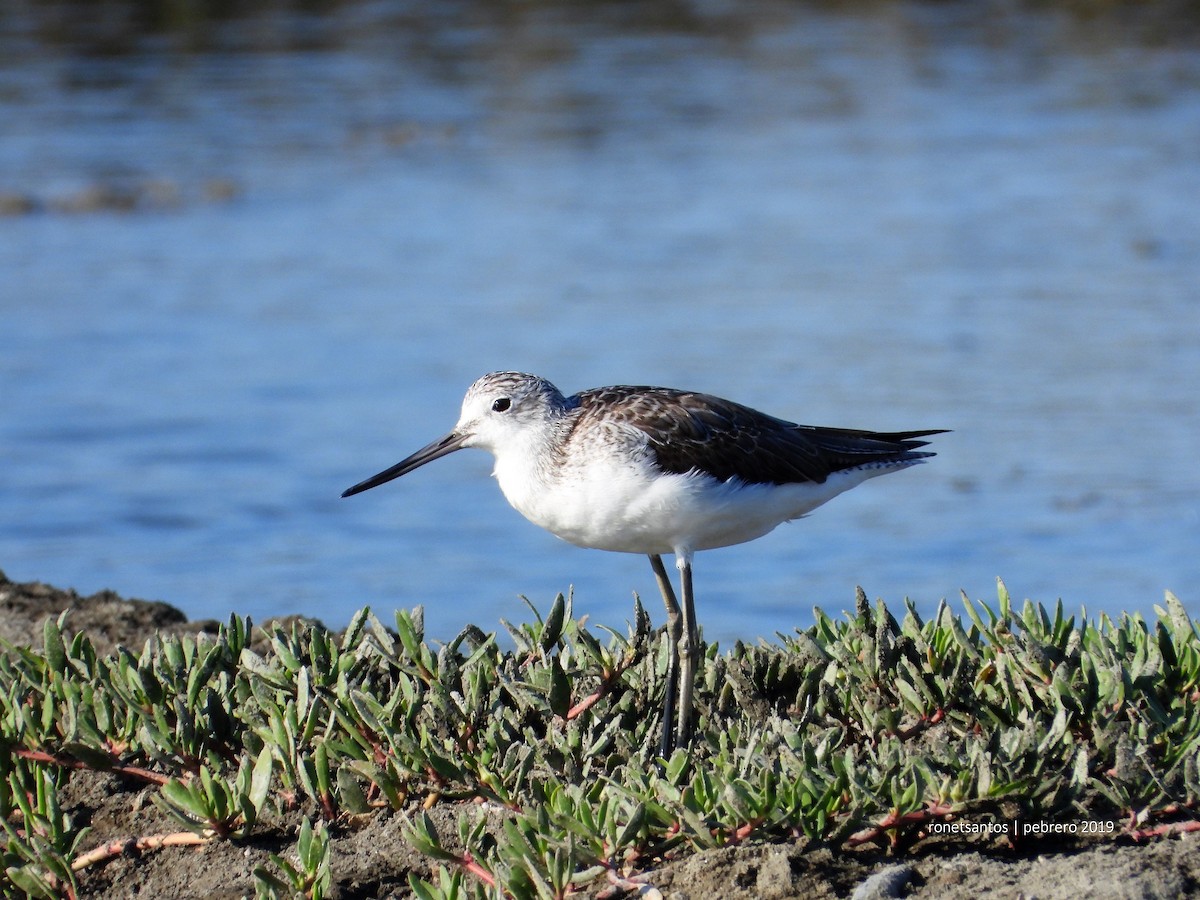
[371, 859]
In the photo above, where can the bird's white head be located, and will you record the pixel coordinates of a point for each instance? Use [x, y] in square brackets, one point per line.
[507, 409]
[507, 413]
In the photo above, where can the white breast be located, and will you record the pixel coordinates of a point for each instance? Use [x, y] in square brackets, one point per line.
[622, 503]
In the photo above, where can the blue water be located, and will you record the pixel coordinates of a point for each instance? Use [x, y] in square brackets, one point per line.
[897, 217]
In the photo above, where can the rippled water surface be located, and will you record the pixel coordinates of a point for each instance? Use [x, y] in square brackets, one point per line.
[245, 269]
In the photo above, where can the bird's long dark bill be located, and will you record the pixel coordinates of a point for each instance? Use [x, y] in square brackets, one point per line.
[437, 449]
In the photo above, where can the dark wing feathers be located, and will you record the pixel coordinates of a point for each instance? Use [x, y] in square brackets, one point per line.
[689, 431]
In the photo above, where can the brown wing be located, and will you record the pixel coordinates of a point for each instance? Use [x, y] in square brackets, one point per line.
[699, 432]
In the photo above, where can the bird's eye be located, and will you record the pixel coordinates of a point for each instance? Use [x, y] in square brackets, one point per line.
[501, 405]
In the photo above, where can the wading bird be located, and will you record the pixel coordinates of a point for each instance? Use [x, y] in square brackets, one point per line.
[657, 470]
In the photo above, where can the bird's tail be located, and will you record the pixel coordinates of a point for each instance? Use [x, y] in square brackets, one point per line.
[848, 447]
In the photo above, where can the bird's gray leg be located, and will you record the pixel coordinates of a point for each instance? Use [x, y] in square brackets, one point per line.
[674, 637]
[690, 651]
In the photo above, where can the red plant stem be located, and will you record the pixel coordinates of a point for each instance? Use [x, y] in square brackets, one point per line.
[741, 832]
[468, 863]
[1166, 830]
[328, 807]
[610, 678]
[67, 762]
[620, 886]
[895, 820]
[129, 845]
[588, 702]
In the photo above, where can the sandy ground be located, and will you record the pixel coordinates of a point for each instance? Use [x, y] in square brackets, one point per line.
[370, 858]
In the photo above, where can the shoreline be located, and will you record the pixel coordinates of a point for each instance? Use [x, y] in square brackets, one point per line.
[370, 856]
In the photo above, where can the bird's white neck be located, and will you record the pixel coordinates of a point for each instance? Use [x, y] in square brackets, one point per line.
[524, 468]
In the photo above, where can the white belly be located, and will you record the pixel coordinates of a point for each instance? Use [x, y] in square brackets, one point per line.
[632, 509]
